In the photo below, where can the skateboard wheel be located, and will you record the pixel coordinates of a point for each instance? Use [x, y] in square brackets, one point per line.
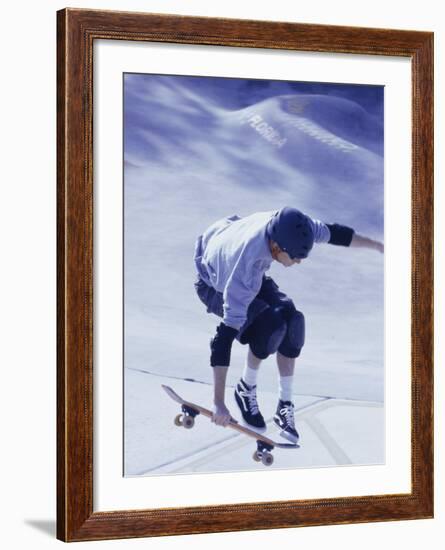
[267, 459]
[178, 420]
[188, 422]
[257, 456]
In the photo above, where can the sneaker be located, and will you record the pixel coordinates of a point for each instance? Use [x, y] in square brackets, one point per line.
[245, 397]
[284, 418]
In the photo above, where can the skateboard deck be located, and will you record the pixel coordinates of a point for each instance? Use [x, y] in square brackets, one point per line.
[190, 410]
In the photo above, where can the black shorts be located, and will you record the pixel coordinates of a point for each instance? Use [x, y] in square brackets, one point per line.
[269, 295]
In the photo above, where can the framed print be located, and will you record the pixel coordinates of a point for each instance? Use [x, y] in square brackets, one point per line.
[245, 214]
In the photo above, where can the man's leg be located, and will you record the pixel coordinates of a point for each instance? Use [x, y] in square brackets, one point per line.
[288, 351]
[286, 368]
[245, 392]
[284, 415]
[251, 367]
[264, 337]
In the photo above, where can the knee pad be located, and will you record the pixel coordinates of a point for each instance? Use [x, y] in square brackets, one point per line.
[267, 333]
[293, 340]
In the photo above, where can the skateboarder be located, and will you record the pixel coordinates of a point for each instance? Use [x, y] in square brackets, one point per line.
[232, 257]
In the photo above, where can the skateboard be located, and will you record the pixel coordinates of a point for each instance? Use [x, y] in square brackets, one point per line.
[190, 410]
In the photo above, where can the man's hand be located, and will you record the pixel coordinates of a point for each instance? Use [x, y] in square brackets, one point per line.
[358, 241]
[221, 415]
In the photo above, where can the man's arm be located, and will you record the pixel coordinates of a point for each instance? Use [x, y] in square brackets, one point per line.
[359, 241]
[345, 236]
[237, 296]
[219, 379]
[221, 415]
[221, 346]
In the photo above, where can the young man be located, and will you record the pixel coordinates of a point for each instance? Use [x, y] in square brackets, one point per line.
[232, 257]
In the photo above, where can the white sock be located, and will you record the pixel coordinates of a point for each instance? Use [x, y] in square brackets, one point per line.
[250, 375]
[286, 383]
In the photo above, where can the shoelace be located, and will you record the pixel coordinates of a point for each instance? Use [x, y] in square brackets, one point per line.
[288, 412]
[251, 397]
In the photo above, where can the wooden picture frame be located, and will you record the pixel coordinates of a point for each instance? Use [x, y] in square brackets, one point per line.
[77, 31]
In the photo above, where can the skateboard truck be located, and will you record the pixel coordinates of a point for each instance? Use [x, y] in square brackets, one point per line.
[187, 418]
[263, 453]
